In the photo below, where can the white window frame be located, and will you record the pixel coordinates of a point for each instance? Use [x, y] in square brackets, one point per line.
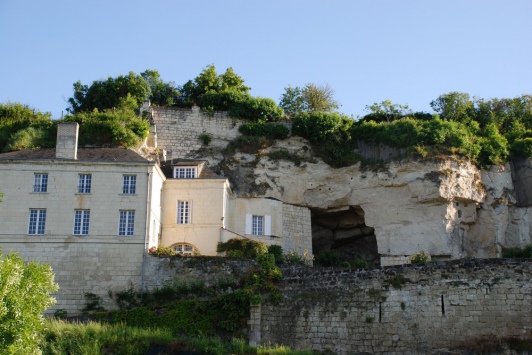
[81, 222]
[37, 221]
[126, 224]
[84, 183]
[252, 228]
[184, 212]
[185, 172]
[257, 225]
[129, 186]
[40, 183]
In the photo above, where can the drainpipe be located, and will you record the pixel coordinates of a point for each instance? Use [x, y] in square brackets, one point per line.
[147, 231]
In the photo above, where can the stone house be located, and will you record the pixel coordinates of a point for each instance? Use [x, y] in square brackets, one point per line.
[90, 213]
[199, 210]
[93, 214]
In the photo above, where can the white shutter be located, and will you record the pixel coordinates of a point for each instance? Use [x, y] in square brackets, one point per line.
[248, 224]
[267, 225]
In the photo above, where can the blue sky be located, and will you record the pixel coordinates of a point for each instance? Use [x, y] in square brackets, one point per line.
[408, 51]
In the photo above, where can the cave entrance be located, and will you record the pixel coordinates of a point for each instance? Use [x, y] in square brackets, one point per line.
[346, 233]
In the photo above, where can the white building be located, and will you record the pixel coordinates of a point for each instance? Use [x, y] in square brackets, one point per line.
[90, 213]
[93, 213]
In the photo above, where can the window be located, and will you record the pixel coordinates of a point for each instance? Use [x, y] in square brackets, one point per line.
[257, 225]
[84, 183]
[185, 249]
[41, 183]
[81, 222]
[183, 212]
[130, 184]
[37, 221]
[185, 172]
[127, 223]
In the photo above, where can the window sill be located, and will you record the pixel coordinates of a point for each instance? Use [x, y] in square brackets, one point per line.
[83, 193]
[39, 193]
[133, 195]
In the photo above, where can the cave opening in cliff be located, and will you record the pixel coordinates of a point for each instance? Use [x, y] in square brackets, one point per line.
[344, 232]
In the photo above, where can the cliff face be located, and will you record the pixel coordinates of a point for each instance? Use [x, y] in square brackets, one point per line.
[446, 207]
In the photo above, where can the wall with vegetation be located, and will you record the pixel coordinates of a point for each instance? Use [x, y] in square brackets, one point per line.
[179, 129]
[438, 305]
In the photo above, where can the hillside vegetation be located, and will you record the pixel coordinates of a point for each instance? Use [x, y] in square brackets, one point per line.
[484, 131]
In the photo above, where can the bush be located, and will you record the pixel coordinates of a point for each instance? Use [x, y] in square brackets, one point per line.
[205, 138]
[513, 253]
[328, 258]
[360, 264]
[25, 292]
[249, 248]
[420, 257]
[264, 129]
[241, 105]
[277, 252]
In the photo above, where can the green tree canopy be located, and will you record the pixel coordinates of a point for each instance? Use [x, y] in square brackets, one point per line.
[208, 81]
[310, 98]
[161, 93]
[23, 127]
[111, 128]
[25, 292]
[386, 111]
[108, 94]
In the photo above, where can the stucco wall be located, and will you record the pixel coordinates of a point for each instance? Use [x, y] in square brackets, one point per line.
[98, 262]
[207, 216]
[434, 306]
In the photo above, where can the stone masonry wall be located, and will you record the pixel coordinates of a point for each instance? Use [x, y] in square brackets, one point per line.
[398, 310]
[297, 229]
[91, 265]
[178, 129]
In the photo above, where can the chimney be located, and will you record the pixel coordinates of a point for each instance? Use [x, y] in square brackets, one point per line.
[67, 141]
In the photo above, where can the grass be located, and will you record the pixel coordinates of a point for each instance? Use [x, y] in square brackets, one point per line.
[97, 338]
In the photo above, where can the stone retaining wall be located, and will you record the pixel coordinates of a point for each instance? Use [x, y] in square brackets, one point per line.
[405, 309]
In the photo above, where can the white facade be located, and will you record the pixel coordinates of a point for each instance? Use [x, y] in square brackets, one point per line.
[90, 218]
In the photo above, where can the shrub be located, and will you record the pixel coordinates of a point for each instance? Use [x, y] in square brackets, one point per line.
[264, 129]
[205, 138]
[360, 264]
[513, 253]
[277, 252]
[249, 248]
[248, 144]
[25, 292]
[328, 258]
[162, 250]
[241, 105]
[420, 257]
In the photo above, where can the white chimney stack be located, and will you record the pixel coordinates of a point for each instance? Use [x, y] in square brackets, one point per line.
[67, 141]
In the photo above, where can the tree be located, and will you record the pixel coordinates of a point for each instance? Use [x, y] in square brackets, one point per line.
[386, 111]
[15, 117]
[310, 98]
[208, 81]
[25, 292]
[107, 94]
[162, 94]
[454, 106]
[111, 128]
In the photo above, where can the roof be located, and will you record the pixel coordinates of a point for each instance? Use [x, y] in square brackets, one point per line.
[167, 168]
[113, 155]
